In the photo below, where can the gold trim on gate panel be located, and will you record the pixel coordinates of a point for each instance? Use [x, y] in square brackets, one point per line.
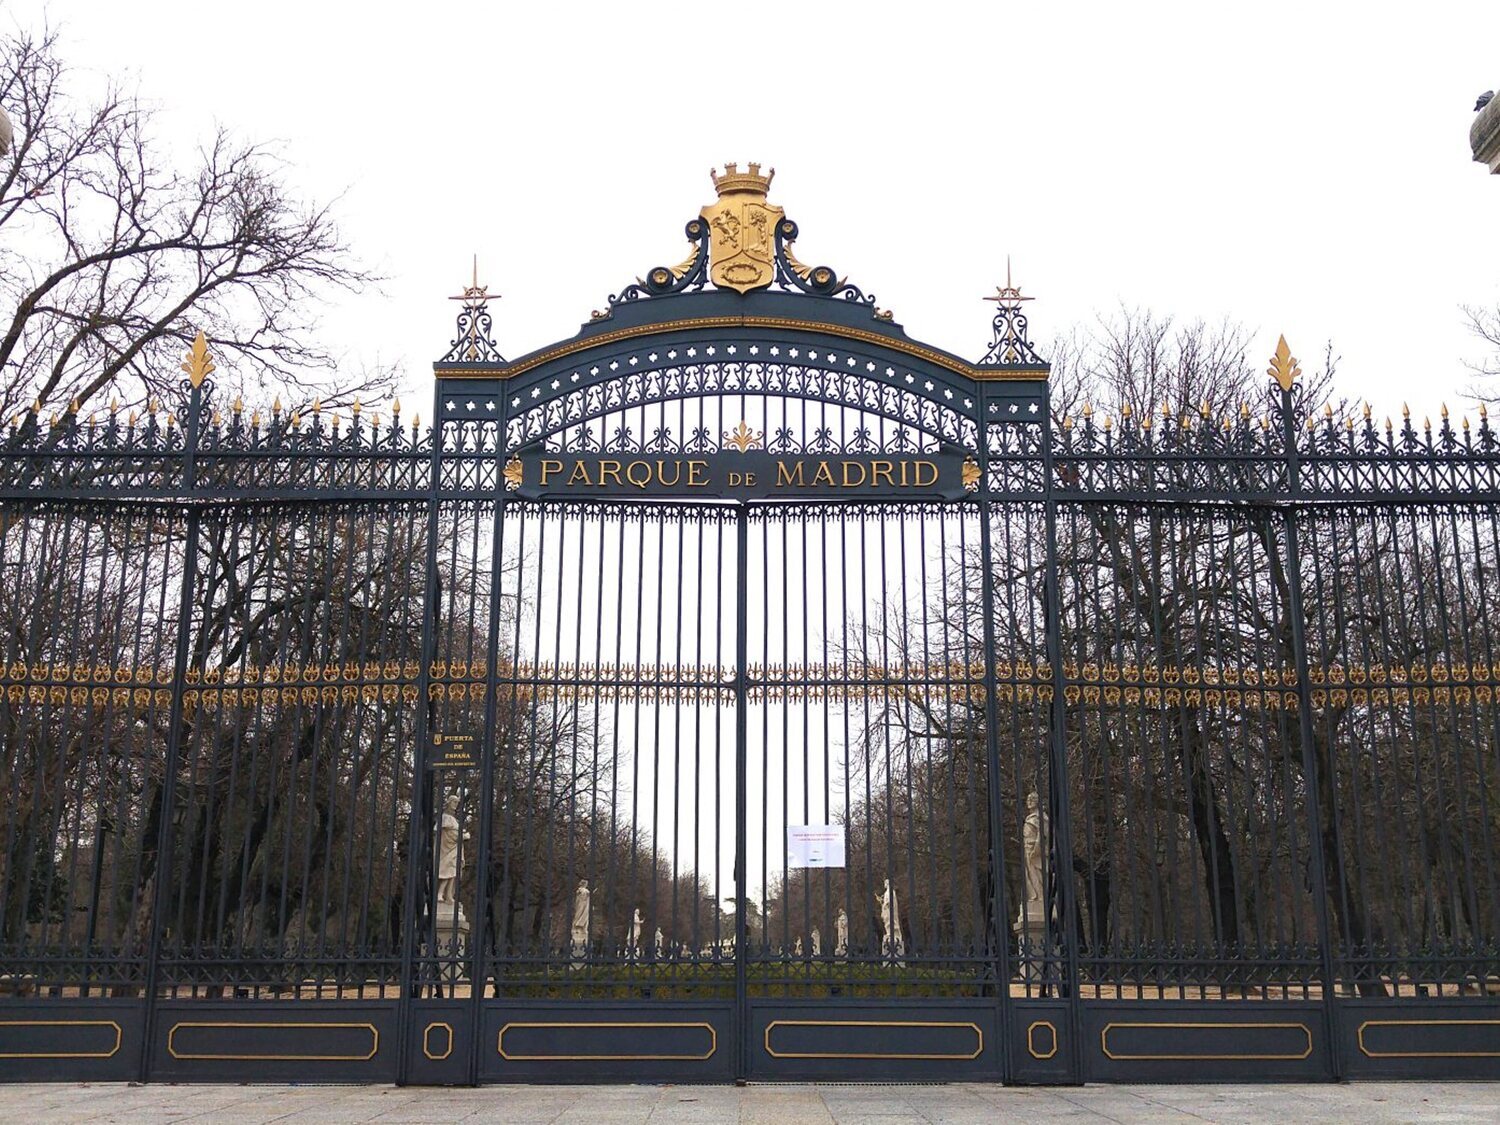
[1302, 1027]
[427, 1033]
[111, 1053]
[713, 1045]
[979, 1033]
[909, 347]
[1031, 1050]
[1359, 1036]
[371, 1028]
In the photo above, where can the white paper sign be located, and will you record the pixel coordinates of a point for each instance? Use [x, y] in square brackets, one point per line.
[815, 845]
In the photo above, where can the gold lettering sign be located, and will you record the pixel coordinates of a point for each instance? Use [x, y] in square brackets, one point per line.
[744, 475]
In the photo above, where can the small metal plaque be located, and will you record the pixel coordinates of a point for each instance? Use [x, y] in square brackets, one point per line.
[453, 751]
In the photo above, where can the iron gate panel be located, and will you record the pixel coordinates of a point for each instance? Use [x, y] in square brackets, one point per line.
[1174, 740]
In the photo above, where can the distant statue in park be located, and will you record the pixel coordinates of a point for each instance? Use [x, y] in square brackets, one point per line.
[448, 844]
[841, 935]
[797, 947]
[658, 944]
[817, 943]
[580, 927]
[1033, 844]
[893, 948]
[633, 935]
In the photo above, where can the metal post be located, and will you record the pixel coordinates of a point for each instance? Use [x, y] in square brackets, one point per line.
[164, 838]
[477, 935]
[1311, 782]
[741, 792]
[998, 911]
[418, 836]
[1061, 811]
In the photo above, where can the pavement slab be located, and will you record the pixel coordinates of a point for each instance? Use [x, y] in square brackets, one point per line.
[1376, 1103]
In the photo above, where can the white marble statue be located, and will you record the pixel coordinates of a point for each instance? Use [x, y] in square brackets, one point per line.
[817, 943]
[633, 937]
[1033, 843]
[797, 946]
[841, 935]
[448, 859]
[580, 927]
[892, 946]
[658, 944]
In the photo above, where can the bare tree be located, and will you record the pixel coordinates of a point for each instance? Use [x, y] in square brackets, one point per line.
[114, 252]
[1484, 323]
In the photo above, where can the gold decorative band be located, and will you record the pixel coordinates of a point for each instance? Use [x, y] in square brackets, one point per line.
[876, 339]
[1259, 1056]
[1031, 1040]
[264, 1025]
[893, 1055]
[1359, 1036]
[427, 1041]
[109, 1054]
[713, 1043]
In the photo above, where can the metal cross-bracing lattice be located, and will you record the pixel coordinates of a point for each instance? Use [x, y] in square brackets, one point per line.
[335, 748]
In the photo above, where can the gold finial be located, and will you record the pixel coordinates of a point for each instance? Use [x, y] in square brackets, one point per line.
[52, 419]
[1088, 409]
[276, 405]
[1067, 421]
[375, 420]
[133, 416]
[416, 422]
[1284, 367]
[94, 417]
[1166, 412]
[1389, 425]
[1484, 411]
[1427, 424]
[1203, 408]
[296, 420]
[238, 406]
[1349, 424]
[1466, 423]
[1445, 410]
[1245, 411]
[152, 406]
[217, 417]
[1265, 423]
[1328, 410]
[355, 408]
[396, 407]
[1108, 422]
[1405, 410]
[73, 406]
[317, 406]
[1187, 421]
[36, 406]
[255, 417]
[1367, 411]
[1145, 419]
[199, 363]
[1125, 410]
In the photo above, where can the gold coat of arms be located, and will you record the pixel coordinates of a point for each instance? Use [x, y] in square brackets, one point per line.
[742, 230]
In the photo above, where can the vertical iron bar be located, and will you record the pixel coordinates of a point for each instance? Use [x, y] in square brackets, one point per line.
[418, 839]
[164, 840]
[998, 913]
[741, 793]
[1311, 781]
[1061, 811]
[483, 842]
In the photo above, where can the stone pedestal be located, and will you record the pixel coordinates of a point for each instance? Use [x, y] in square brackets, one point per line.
[452, 928]
[1030, 928]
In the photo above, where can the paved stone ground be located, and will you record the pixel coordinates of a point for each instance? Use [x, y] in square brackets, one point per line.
[1373, 1102]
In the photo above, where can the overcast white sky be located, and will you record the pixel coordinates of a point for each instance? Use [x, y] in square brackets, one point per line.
[1301, 168]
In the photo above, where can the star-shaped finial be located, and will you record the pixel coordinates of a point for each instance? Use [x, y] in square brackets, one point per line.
[1008, 294]
[474, 293]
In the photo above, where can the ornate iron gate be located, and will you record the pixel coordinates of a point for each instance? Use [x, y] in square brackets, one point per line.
[741, 689]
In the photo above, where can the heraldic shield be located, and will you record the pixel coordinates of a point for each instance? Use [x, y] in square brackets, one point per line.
[742, 230]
